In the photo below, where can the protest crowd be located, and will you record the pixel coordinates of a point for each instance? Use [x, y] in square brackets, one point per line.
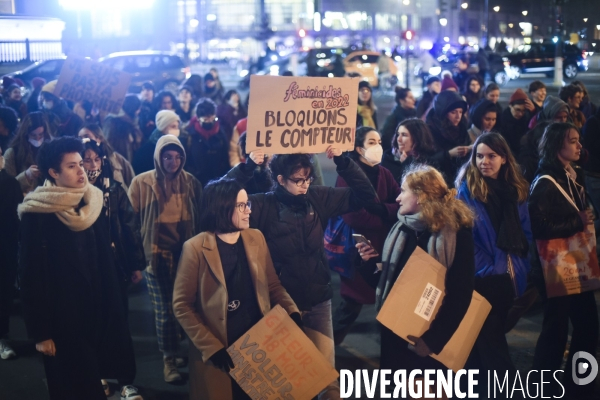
[164, 190]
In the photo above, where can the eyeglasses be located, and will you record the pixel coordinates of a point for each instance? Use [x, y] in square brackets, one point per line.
[241, 207]
[300, 182]
[176, 158]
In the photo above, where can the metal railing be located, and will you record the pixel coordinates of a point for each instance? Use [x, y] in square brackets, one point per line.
[29, 50]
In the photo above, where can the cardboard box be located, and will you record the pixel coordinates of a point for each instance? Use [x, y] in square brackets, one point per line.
[415, 299]
[276, 360]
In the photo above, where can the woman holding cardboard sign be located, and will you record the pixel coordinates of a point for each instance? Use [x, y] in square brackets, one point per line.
[559, 210]
[225, 284]
[432, 218]
[492, 185]
[293, 219]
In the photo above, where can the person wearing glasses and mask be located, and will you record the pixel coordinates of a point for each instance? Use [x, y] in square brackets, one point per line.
[225, 284]
[293, 218]
[167, 202]
[374, 222]
[206, 144]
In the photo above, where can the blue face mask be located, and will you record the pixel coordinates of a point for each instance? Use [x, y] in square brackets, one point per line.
[36, 143]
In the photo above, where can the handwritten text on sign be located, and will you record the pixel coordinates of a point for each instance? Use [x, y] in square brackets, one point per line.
[81, 79]
[275, 360]
[301, 114]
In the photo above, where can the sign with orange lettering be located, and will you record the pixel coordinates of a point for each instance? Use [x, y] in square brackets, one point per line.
[276, 360]
[291, 114]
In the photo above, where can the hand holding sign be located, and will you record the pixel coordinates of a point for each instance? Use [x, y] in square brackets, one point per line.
[333, 152]
[257, 156]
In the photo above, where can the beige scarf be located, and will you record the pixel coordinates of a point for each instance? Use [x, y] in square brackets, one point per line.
[64, 202]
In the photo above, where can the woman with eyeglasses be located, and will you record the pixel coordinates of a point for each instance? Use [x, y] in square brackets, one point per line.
[225, 284]
[167, 202]
[293, 218]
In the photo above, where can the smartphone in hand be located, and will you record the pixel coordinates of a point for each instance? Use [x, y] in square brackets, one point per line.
[358, 238]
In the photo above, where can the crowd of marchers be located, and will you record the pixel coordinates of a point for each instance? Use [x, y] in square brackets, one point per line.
[165, 191]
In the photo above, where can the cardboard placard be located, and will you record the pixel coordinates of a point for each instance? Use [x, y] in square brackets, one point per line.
[415, 299]
[82, 79]
[276, 360]
[290, 114]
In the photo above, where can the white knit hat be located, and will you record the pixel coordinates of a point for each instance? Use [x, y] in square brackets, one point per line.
[164, 118]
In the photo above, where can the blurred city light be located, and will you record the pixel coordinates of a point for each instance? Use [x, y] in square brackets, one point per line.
[464, 6]
[211, 17]
[302, 33]
[443, 21]
[105, 4]
[496, 9]
[524, 13]
[555, 39]
[446, 39]
[317, 22]
[585, 20]
[406, 2]
[194, 22]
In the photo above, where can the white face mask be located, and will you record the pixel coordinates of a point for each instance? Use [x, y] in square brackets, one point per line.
[36, 143]
[47, 105]
[373, 154]
[174, 132]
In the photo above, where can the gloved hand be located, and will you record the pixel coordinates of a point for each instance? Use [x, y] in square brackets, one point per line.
[222, 360]
[297, 319]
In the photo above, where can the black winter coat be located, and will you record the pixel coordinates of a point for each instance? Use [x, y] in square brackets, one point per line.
[398, 115]
[424, 103]
[591, 142]
[397, 168]
[294, 228]
[529, 155]
[206, 159]
[513, 129]
[552, 215]
[10, 197]
[125, 234]
[70, 294]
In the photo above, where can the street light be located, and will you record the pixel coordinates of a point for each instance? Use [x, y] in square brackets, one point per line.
[598, 27]
[585, 20]
[406, 2]
[524, 13]
[464, 6]
[496, 9]
[444, 22]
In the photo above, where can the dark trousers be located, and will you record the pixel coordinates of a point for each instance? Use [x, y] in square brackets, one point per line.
[581, 310]
[343, 317]
[8, 275]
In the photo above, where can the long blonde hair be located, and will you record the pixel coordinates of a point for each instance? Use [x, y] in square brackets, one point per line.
[510, 171]
[439, 206]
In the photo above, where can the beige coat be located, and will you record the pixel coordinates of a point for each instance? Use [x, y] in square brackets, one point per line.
[200, 304]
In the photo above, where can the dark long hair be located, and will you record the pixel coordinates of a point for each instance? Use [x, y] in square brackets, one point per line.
[287, 164]
[510, 171]
[420, 135]
[552, 143]
[20, 143]
[219, 199]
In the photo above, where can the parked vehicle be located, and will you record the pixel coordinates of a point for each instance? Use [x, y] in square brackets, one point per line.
[165, 70]
[365, 63]
[500, 67]
[47, 69]
[539, 57]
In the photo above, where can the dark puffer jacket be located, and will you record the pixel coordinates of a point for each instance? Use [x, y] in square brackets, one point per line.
[294, 226]
[513, 129]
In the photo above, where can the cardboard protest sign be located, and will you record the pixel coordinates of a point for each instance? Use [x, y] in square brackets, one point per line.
[415, 299]
[276, 360]
[301, 114]
[82, 79]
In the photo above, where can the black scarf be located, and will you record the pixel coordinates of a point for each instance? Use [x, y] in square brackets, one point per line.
[503, 210]
[298, 202]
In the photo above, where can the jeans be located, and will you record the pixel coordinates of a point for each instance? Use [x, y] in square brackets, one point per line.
[319, 329]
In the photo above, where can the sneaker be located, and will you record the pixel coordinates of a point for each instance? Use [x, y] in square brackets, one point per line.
[181, 362]
[170, 371]
[6, 351]
[105, 387]
[130, 392]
